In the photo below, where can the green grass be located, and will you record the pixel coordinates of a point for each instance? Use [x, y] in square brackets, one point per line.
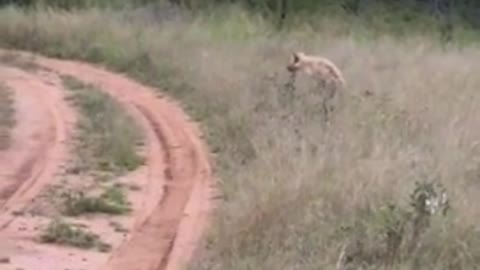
[7, 116]
[107, 139]
[63, 233]
[112, 201]
[298, 194]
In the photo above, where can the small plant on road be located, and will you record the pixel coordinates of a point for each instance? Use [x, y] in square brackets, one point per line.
[112, 201]
[63, 233]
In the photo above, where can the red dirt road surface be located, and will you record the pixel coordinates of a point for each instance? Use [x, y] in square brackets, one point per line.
[169, 214]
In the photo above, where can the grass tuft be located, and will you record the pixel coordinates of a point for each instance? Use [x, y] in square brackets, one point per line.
[63, 233]
[111, 201]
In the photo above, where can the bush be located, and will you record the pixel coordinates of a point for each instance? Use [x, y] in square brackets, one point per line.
[60, 232]
[392, 235]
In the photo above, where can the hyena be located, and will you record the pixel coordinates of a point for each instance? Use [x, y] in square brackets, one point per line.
[321, 69]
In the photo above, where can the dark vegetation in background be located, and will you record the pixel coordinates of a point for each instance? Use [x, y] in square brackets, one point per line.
[467, 9]
[445, 12]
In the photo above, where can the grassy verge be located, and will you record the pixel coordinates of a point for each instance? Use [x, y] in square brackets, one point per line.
[108, 138]
[13, 59]
[299, 195]
[7, 116]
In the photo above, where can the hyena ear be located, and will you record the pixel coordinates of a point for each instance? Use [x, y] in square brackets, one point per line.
[295, 57]
[298, 56]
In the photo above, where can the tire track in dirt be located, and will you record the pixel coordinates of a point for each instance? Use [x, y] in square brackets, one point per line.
[169, 226]
[38, 141]
[177, 200]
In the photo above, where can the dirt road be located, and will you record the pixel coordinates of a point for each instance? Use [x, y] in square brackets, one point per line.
[169, 215]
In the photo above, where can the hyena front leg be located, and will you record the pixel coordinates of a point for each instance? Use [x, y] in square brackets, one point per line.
[328, 95]
[287, 94]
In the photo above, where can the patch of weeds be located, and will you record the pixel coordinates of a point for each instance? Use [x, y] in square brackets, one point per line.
[117, 227]
[103, 177]
[73, 83]
[7, 115]
[392, 235]
[107, 136]
[116, 195]
[63, 233]
[104, 247]
[21, 62]
[111, 201]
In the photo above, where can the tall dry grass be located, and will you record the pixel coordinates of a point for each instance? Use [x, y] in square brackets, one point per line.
[295, 190]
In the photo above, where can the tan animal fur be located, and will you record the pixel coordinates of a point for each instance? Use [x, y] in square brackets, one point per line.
[319, 67]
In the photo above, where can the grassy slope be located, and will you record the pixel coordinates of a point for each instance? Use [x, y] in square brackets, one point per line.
[292, 202]
[6, 116]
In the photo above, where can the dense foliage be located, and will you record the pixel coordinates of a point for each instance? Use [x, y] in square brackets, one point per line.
[445, 12]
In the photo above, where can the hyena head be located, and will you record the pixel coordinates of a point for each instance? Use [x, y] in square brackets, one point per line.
[296, 62]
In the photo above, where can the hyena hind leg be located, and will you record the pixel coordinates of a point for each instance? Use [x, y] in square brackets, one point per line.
[328, 103]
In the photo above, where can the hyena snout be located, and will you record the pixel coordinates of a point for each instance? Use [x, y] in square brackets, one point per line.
[294, 64]
[292, 68]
